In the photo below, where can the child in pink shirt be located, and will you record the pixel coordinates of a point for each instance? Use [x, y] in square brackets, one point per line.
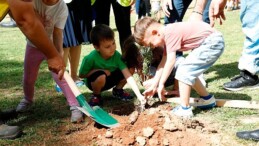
[206, 46]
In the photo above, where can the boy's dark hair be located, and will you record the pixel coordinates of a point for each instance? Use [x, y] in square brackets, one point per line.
[131, 54]
[100, 33]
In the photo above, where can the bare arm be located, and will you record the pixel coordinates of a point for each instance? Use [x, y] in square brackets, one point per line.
[26, 19]
[169, 65]
[216, 11]
[198, 10]
[152, 89]
[58, 40]
[133, 85]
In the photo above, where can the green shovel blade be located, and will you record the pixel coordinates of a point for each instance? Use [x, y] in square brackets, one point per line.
[96, 113]
[105, 116]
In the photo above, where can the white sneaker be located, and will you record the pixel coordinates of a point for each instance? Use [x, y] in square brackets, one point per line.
[76, 115]
[206, 104]
[182, 112]
[23, 106]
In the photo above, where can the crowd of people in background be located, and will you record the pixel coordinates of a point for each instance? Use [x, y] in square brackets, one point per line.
[60, 44]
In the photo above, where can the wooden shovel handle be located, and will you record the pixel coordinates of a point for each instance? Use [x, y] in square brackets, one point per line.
[71, 84]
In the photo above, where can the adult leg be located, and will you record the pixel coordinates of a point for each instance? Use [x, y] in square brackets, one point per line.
[137, 5]
[250, 24]
[74, 57]
[66, 54]
[102, 11]
[122, 21]
[148, 7]
[205, 16]
[249, 60]
[179, 9]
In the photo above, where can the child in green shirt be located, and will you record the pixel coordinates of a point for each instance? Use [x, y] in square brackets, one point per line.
[104, 69]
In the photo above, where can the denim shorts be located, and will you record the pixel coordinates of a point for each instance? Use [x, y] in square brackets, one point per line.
[200, 59]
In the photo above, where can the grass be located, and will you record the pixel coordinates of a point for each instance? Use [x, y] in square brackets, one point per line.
[50, 111]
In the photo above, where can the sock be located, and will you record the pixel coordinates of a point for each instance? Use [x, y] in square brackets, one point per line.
[185, 107]
[206, 97]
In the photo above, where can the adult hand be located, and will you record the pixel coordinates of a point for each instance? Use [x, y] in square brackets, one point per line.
[161, 92]
[57, 65]
[217, 11]
[167, 4]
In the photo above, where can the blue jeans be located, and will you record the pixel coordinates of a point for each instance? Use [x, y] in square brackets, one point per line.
[179, 9]
[250, 24]
[137, 4]
[200, 59]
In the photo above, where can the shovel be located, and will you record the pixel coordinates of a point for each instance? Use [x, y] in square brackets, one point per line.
[96, 113]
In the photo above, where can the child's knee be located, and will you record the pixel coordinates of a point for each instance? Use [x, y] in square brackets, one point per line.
[101, 79]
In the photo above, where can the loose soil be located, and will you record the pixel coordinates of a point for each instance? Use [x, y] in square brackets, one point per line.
[153, 126]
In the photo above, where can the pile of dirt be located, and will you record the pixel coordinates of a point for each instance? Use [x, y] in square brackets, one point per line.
[154, 126]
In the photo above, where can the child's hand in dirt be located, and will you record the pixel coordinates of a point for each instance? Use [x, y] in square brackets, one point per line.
[161, 92]
[142, 100]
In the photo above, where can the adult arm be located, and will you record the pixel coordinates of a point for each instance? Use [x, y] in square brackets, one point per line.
[198, 10]
[216, 11]
[58, 40]
[26, 19]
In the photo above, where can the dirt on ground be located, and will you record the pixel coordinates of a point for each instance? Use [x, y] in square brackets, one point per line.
[154, 126]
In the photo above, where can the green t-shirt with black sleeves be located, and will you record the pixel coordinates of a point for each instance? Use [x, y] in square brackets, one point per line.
[95, 61]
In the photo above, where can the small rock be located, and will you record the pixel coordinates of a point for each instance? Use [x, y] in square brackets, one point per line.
[152, 111]
[153, 142]
[169, 126]
[133, 117]
[165, 142]
[141, 140]
[148, 132]
[107, 142]
[109, 134]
